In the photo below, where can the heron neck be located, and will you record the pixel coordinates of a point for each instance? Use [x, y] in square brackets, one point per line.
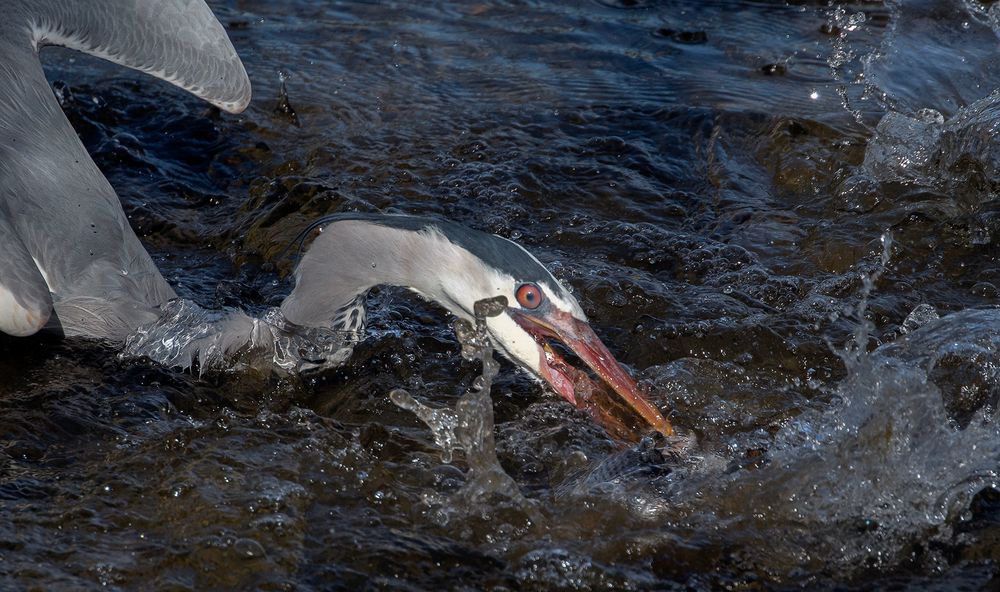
[351, 257]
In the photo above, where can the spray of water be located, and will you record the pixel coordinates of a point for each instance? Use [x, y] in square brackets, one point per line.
[469, 427]
[855, 485]
[855, 350]
[188, 336]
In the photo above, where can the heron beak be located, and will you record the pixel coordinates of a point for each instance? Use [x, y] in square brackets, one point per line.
[570, 382]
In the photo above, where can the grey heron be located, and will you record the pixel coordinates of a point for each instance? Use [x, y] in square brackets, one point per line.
[456, 267]
[74, 265]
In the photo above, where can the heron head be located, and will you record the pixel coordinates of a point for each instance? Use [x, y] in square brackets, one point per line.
[541, 314]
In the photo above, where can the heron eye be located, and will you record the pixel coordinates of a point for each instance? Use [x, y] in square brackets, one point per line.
[529, 296]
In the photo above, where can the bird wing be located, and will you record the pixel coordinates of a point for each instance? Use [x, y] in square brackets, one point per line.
[54, 200]
[61, 209]
[179, 41]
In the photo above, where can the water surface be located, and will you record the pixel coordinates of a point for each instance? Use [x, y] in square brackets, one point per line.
[769, 211]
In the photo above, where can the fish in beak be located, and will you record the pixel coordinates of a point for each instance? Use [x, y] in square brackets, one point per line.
[575, 385]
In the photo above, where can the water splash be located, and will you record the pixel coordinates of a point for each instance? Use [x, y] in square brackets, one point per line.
[283, 107]
[889, 464]
[903, 147]
[843, 61]
[908, 442]
[469, 427]
[186, 335]
[442, 422]
[856, 349]
[880, 476]
[918, 317]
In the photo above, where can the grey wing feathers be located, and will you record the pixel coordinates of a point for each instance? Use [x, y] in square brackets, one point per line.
[59, 207]
[179, 41]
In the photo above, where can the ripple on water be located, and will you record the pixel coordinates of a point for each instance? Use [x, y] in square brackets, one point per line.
[690, 168]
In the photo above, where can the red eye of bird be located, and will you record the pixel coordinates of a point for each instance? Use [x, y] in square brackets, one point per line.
[529, 296]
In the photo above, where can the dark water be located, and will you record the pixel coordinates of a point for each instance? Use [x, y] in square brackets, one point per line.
[748, 198]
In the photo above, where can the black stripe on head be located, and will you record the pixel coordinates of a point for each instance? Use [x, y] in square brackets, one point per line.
[495, 251]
